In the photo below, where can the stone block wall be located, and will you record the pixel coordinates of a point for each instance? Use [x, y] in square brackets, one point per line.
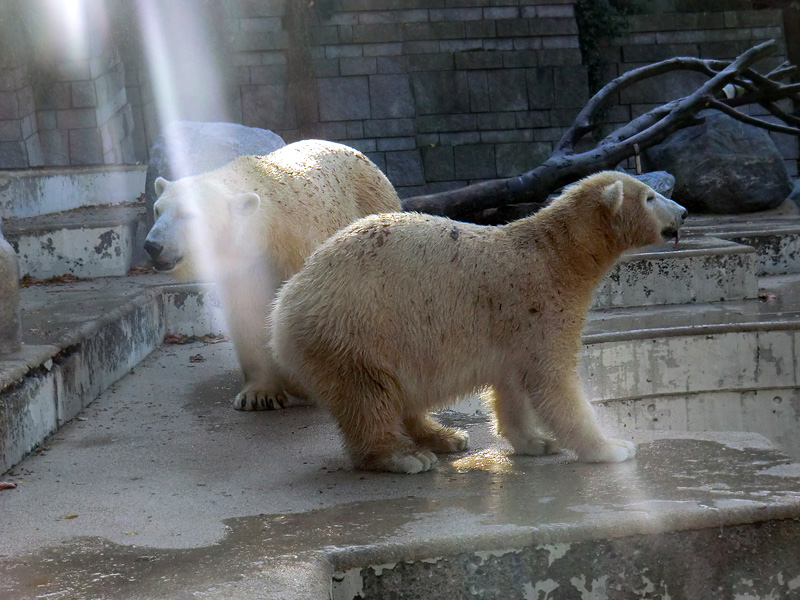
[84, 115]
[438, 94]
[720, 30]
[19, 142]
[59, 110]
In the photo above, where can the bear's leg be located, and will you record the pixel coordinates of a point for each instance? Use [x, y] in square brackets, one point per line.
[247, 301]
[516, 421]
[372, 427]
[429, 434]
[563, 409]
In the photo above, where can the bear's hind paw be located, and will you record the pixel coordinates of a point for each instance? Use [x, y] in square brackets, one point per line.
[445, 441]
[611, 451]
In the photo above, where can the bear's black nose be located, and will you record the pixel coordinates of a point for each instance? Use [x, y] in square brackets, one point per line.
[153, 249]
[684, 214]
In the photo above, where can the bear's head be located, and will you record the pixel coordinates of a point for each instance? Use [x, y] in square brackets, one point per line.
[632, 213]
[201, 229]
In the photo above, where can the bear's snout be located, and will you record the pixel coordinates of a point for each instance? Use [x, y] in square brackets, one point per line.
[153, 249]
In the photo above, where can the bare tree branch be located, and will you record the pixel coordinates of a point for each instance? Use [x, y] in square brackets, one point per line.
[565, 165]
[739, 116]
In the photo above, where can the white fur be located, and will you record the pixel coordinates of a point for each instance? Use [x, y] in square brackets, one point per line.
[250, 225]
[402, 313]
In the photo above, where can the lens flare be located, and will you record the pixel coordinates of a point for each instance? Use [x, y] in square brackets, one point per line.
[186, 83]
[63, 30]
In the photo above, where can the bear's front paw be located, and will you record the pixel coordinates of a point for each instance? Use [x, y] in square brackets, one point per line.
[416, 462]
[260, 399]
[407, 460]
[536, 446]
[612, 450]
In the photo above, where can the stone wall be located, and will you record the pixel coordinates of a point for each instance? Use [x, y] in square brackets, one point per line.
[722, 30]
[19, 141]
[60, 107]
[439, 93]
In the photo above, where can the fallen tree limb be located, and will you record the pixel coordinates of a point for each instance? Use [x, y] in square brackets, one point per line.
[499, 199]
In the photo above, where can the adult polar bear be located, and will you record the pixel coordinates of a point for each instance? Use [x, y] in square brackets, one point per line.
[401, 313]
[249, 226]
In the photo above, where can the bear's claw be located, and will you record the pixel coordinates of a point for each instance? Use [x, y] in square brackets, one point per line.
[252, 400]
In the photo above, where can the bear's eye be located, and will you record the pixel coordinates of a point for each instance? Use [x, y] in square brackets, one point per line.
[650, 198]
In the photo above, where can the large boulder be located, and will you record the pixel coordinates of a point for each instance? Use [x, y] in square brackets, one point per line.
[722, 166]
[187, 148]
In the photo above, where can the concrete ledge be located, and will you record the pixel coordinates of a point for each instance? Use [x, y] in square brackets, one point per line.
[776, 239]
[100, 241]
[95, 335]
[701, 269]
[53, 392]
[32, 192]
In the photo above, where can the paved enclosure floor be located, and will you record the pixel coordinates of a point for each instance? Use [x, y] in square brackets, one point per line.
[161, 490]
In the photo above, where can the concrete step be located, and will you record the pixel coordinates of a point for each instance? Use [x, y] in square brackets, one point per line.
[725, 366]
[699, 269]
[33, 192]
[776, 239]
[92, 241]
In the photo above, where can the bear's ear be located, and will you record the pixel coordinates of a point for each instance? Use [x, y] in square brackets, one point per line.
[613, 195]
[245, 204]
[160, 184]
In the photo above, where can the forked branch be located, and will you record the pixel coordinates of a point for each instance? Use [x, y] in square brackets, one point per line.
[730, 84]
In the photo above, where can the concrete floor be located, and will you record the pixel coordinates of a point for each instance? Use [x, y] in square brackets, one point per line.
[160, 490]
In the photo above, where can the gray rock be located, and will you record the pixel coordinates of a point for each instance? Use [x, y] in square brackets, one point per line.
[203, 147]
[722, 166]
[660, 181]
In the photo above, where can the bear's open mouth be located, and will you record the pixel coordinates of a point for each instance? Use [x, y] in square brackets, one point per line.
[164, 266]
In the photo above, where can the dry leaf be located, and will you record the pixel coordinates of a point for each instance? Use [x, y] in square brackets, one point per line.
[178, 338]
[212, 338]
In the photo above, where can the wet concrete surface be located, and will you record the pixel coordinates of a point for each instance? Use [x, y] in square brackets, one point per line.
[161, 490]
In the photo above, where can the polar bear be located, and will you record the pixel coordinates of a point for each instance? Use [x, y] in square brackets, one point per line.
[249, 226]
[402, 313]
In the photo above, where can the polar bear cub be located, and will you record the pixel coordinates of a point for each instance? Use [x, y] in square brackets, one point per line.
[249, 225]
[402, 313]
